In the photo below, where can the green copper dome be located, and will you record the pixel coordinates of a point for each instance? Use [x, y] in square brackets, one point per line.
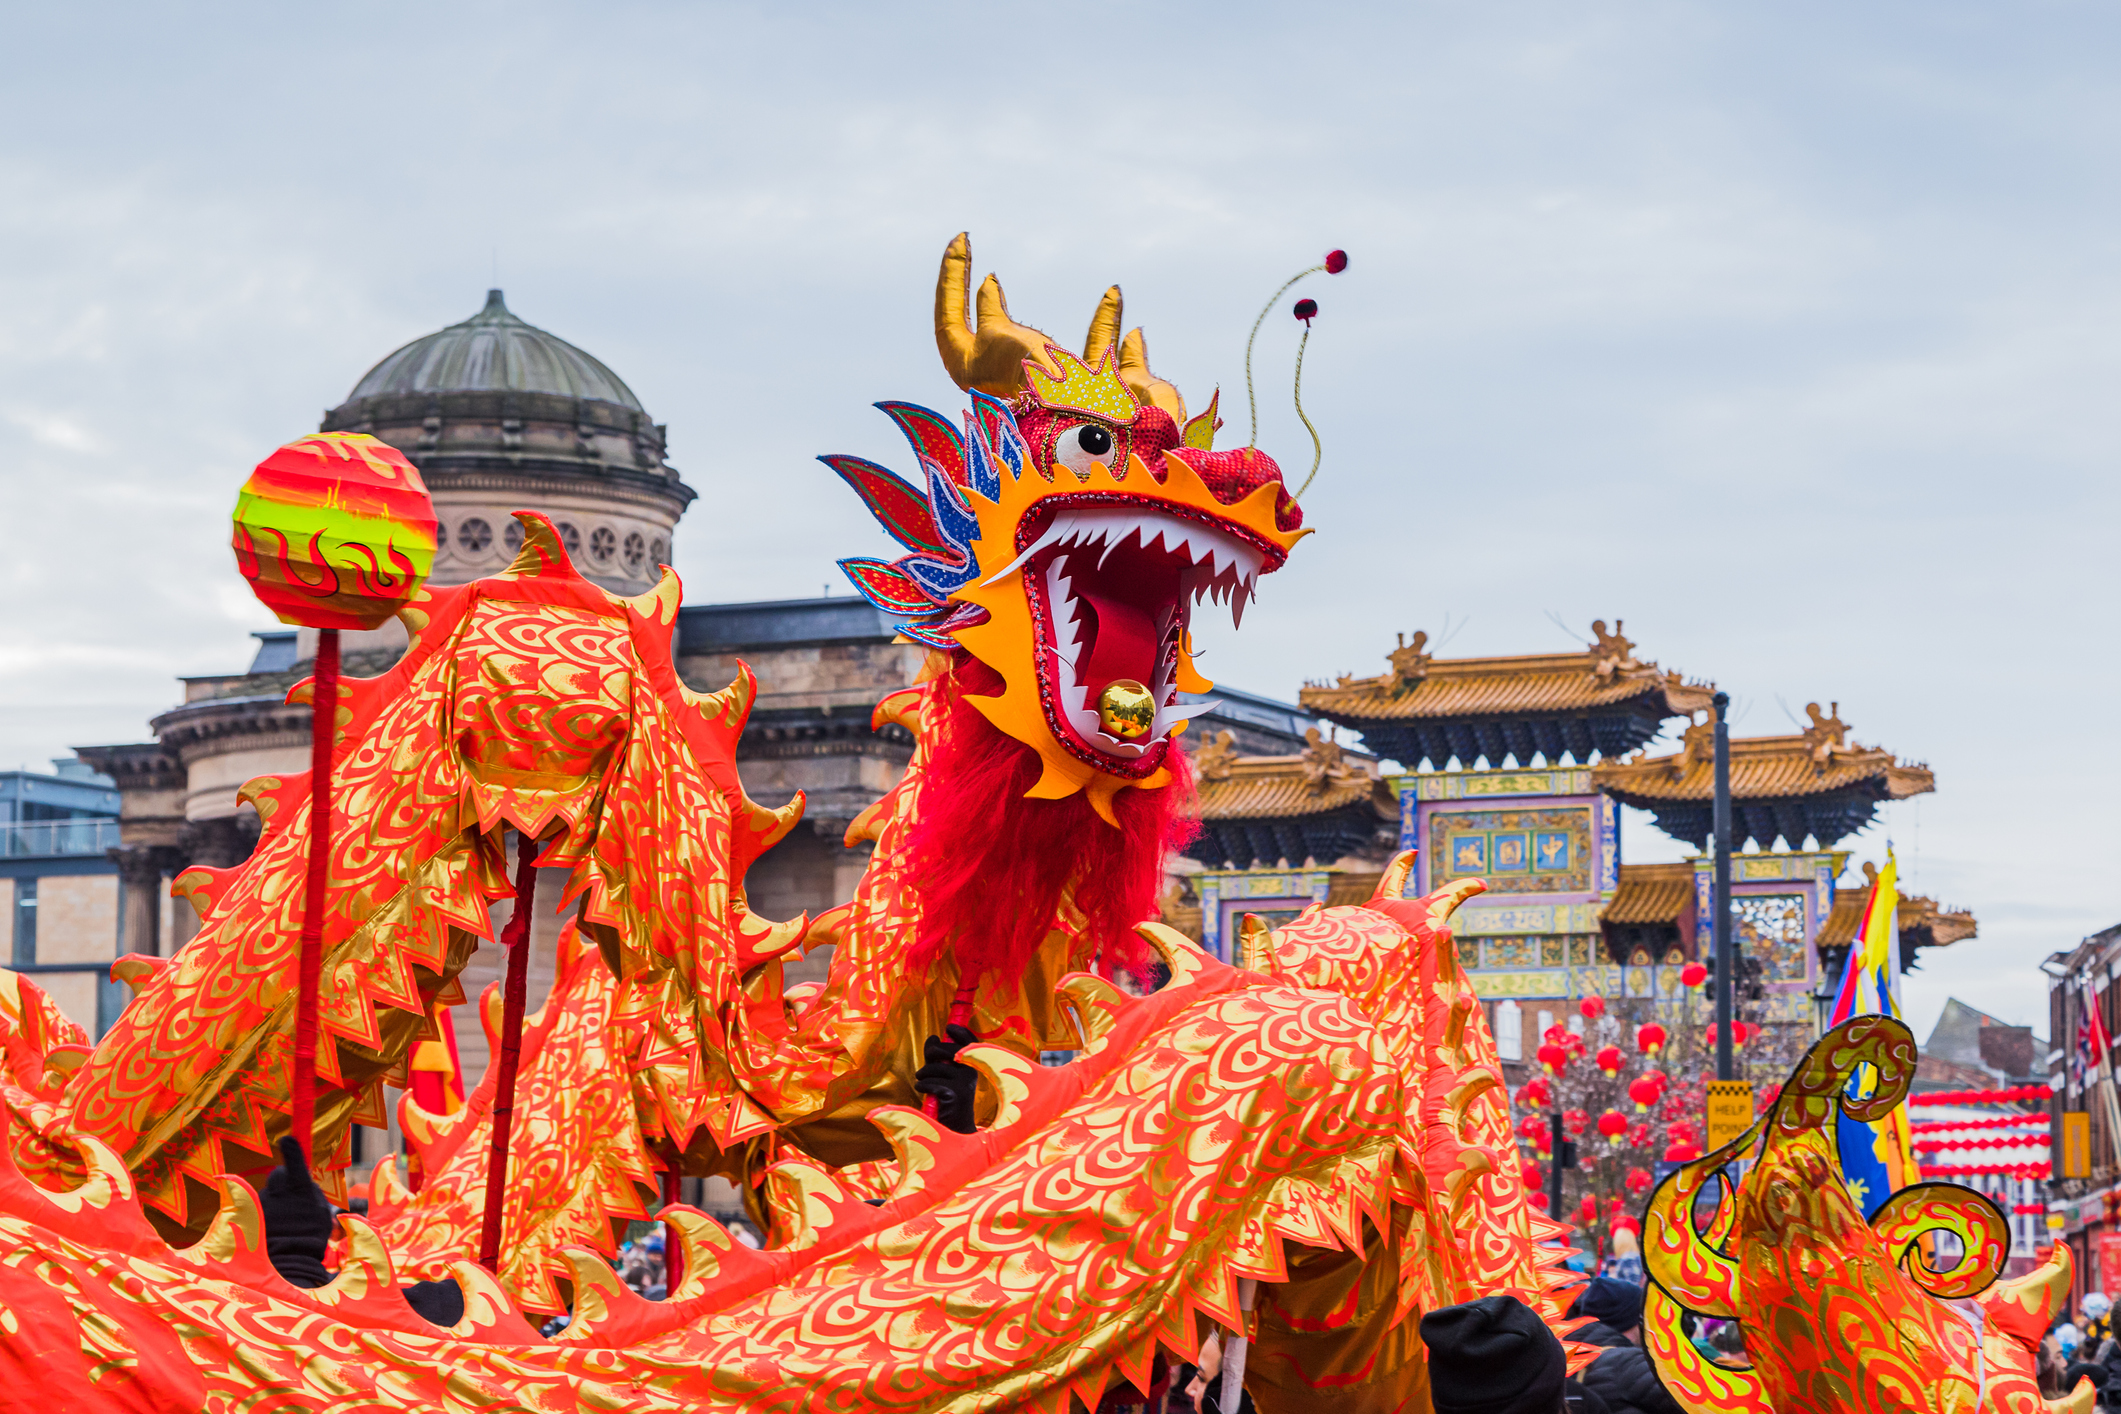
[494, 351]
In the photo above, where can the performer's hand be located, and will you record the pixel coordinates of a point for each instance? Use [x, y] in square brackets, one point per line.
[298, 1220]
[952, 1083]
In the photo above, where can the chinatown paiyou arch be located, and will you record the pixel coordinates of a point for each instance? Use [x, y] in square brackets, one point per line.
[1313, 1148]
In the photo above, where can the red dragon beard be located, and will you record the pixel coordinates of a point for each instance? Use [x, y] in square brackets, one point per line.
[993, 870]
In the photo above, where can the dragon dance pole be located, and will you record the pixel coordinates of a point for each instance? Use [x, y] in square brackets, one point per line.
[515, 943]
[960, 1015]
[673, 1251]
[302, 1101]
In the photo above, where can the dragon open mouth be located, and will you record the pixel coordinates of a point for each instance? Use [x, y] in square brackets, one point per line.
[1112, 589]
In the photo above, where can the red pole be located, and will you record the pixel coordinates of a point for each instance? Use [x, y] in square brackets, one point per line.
[960, 1015]
[515, 943]
[673, 1253]
[323, 723]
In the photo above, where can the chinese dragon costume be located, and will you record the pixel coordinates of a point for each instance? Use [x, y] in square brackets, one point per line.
[1311, 1148]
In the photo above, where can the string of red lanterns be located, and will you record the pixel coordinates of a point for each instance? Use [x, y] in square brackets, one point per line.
[2016, 1094]
[2038, 1170]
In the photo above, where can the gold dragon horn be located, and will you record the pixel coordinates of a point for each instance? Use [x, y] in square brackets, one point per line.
[987, 354]
[1104, 328]
[1134, 372]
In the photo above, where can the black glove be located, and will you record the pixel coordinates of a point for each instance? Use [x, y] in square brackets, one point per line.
[439, 1301]
[298, 1220]
[953, 1084]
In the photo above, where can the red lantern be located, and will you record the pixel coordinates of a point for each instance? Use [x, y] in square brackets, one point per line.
[1741, 1033]
[1555, 1035]
[1681, 1154]
[1693, 975]
[1575, 1121]
[1645, 1091]
[1639, 1136]
[1638, 1181]
[1609, 1060]
[1588, 1211]
[1537, 1198]
[1535, 1092]
[1650, 1039]
[1533, 1175]
[1624, 1223]
[1592, 1008]
[1572, 1043]
[1554, 1058]
[1612, 1124]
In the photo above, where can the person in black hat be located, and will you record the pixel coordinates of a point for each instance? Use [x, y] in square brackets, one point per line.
[1623, 1376]
[1493, 1356]
[298, 1226]
[1615, 1309]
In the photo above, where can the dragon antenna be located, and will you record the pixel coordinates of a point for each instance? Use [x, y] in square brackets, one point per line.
[1335, 262]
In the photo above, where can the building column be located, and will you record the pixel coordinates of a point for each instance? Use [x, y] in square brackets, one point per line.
[140, 899]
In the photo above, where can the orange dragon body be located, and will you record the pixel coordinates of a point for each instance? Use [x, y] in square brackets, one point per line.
[1325, 1126]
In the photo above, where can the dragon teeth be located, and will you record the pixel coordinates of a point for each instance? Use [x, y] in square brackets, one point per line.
[1202, 545]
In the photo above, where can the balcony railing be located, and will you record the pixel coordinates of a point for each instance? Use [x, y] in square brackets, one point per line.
[39, 838]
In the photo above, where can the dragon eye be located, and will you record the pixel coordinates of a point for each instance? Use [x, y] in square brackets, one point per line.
[1081, 448]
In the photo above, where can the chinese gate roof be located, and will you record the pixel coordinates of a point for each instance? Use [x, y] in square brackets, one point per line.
[1812, 783]
[1428, 709]
[1259, 810]
[1922, 923]
[1651, 893]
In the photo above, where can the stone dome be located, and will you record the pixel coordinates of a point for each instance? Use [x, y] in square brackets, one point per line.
[500, 416]
[492, 351]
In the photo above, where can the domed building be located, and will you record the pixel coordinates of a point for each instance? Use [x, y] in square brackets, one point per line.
[501, 416]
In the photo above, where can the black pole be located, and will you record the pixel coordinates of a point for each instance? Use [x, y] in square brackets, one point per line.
[1720, 927]
[1559, 1161]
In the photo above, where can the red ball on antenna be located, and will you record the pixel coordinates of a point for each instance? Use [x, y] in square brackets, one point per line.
[1336, 261]
[1306, 310]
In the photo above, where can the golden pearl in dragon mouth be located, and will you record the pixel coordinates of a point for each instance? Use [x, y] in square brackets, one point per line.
[1125, 709]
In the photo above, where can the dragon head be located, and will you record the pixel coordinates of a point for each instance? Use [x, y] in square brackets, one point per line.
[1065, 535]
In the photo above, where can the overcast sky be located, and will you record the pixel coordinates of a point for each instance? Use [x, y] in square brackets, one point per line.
[1785, 333]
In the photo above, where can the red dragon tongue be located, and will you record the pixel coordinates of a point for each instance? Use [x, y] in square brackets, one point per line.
[1124, 645]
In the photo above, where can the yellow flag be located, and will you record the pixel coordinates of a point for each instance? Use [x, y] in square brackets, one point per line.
[1878, 919]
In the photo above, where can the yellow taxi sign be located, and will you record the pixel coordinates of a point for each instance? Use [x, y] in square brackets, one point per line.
[1730, 1111]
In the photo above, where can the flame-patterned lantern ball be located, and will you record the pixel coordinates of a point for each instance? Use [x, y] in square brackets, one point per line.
[1591, 1007]
[1612, 1124]
[1650, 1039]
[1610, 1060]
[335, 530]
[1638, 1181]
[1693, 975]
